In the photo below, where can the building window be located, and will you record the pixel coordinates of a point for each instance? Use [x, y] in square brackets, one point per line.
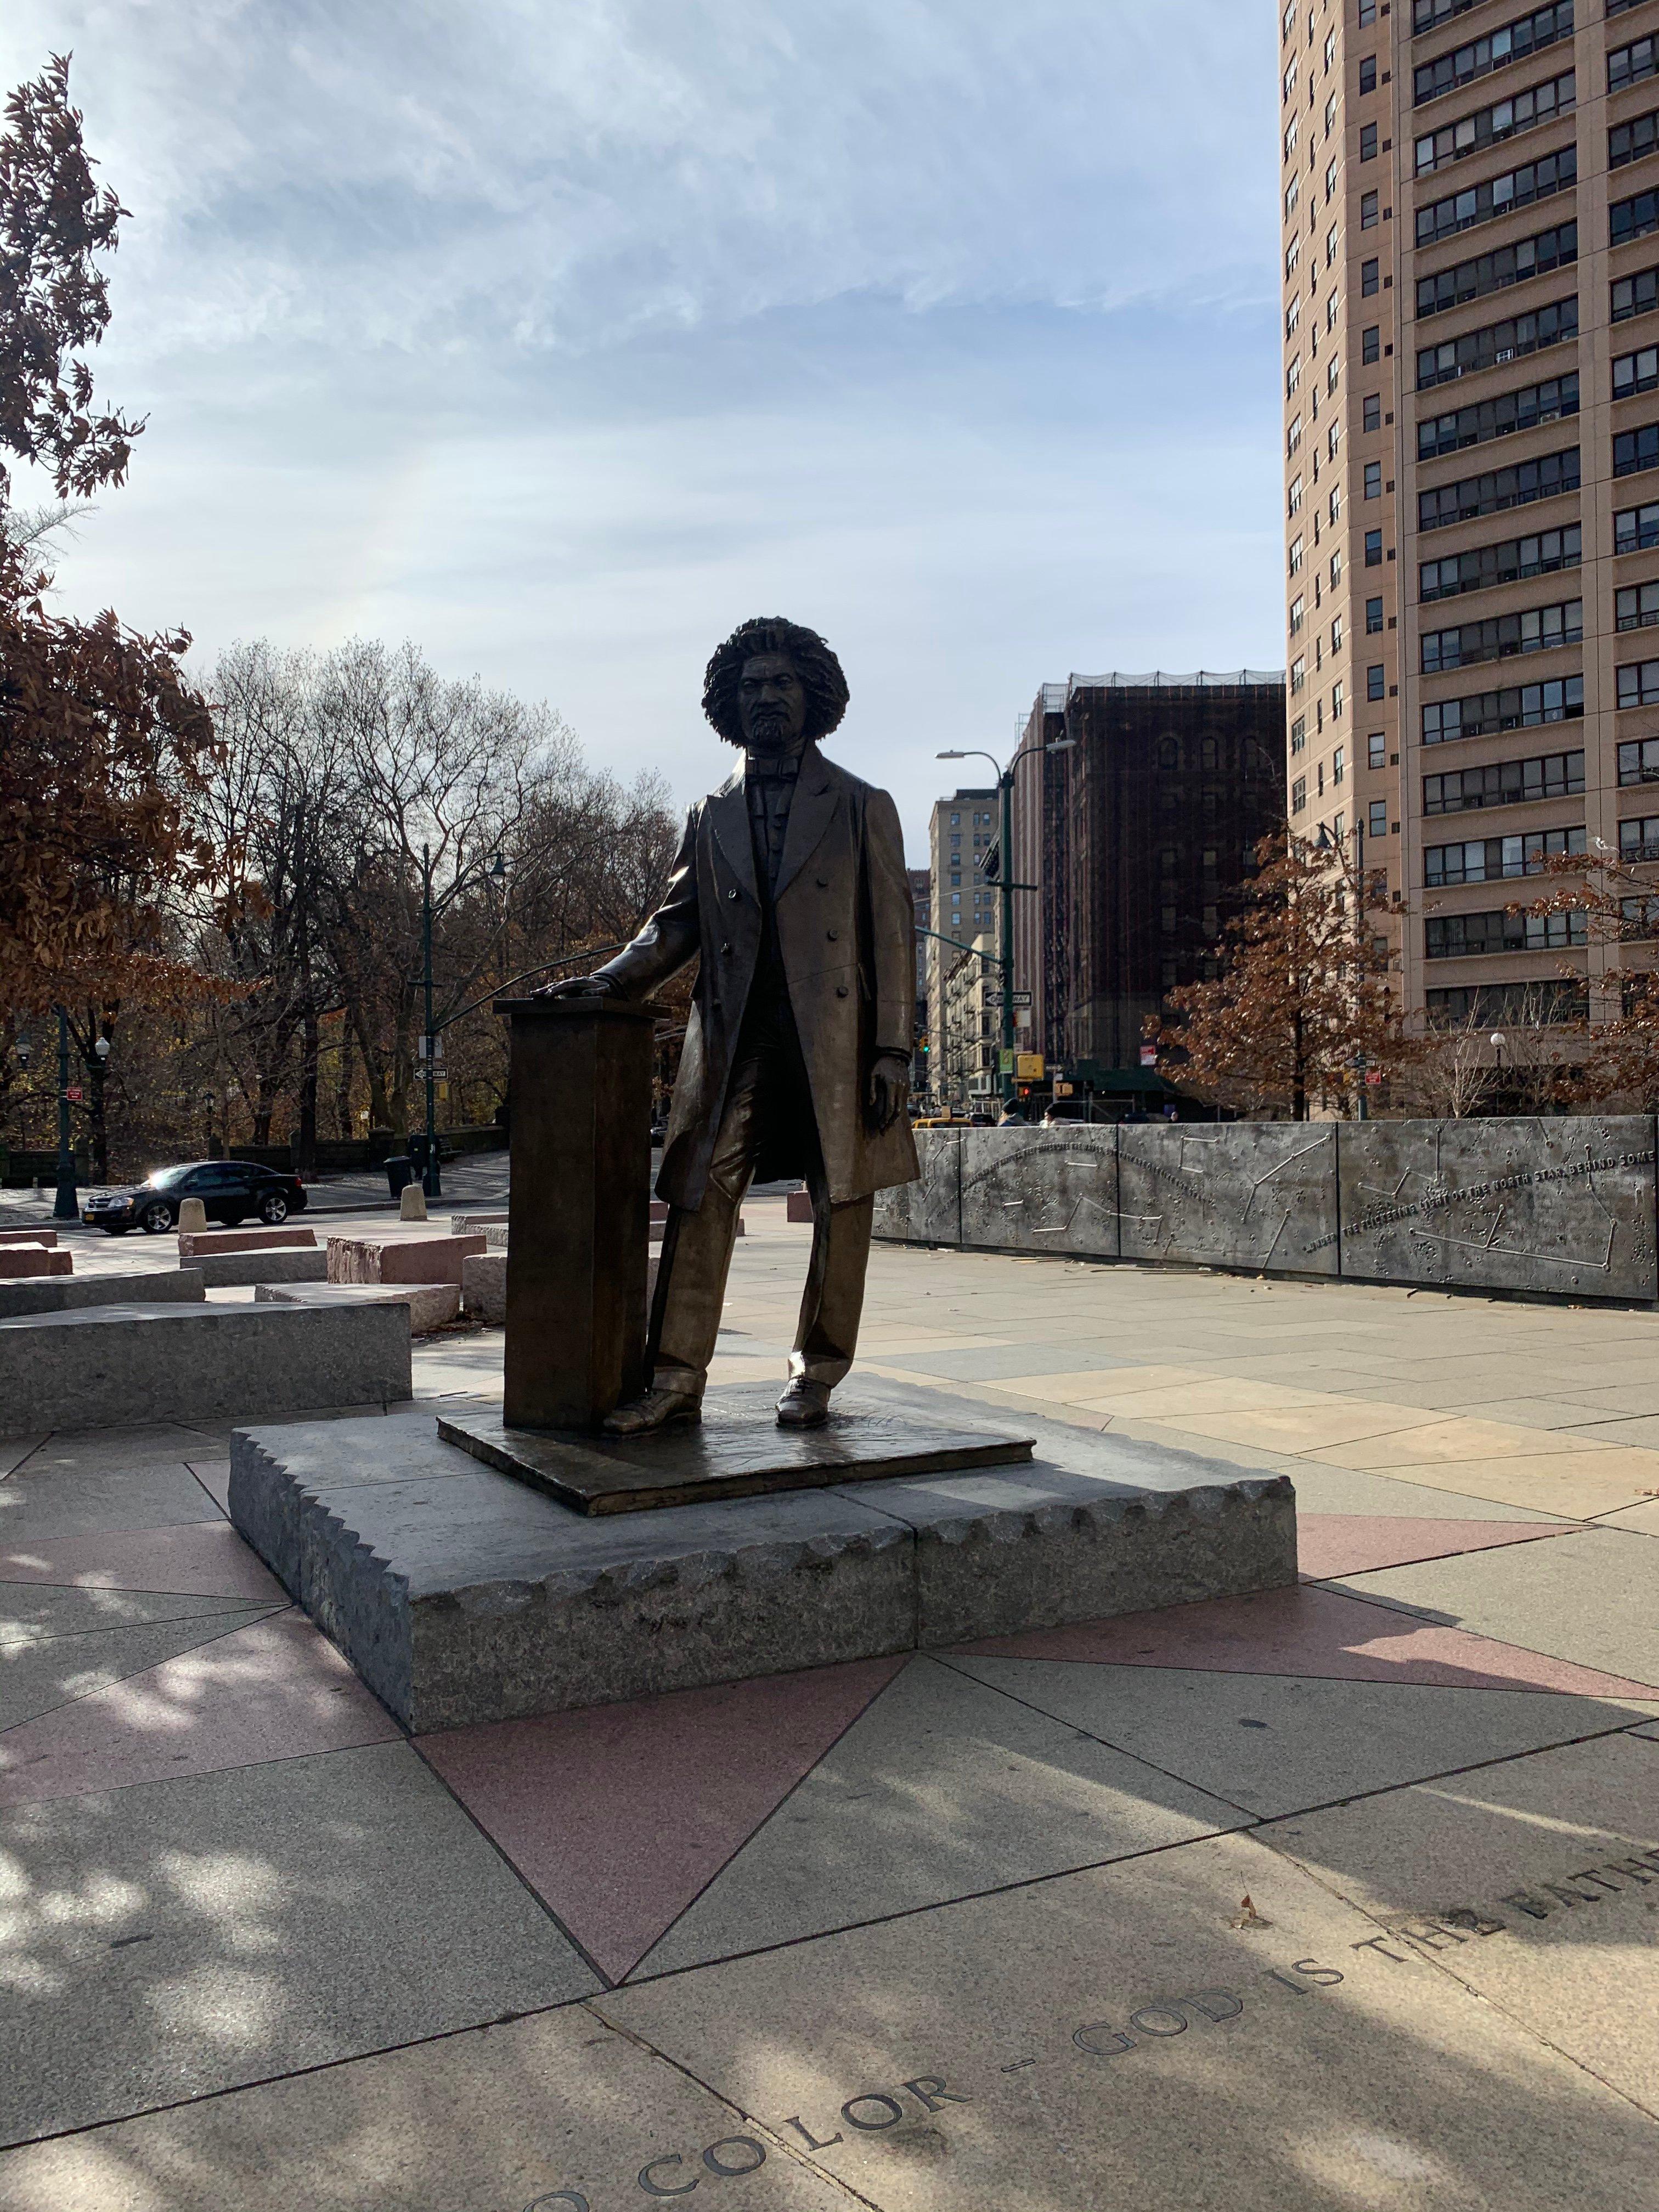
[1331, 307]
[1526, 35]
[1371, 412]
[1373, 617]
[1373, 479]
[1491, 272]
[1336, 503]
[1636, 372]
[1373, 549]
[1498, 490]
[1638, 683]
[1490, 859]
[1376, 748]
[1367, 12]
[1635, 450]
[1336, 701]
[1330, 115]
[1296, 495]
[1463, 936]
[1638, 760]
[1639, 840]
[1633, 218]
[1634, 295]
[1338, 765]
[1368, 142]
[1497, 196]
[1638, 606]
[1299, 733]
[1319, 780]
[1516, 782]
[1511, 561]
[1519, 707]
[1298, 614]
[1629, 64]
[1636, 528]
[1538, 630]
[1298, 672]
[1330, 247]
[1336, 635]
[1375, 682]
[1633, 141]
[1367, 74]
[1371, 278]
[1377, 825]
[1336, 568]
[1484, 420]
[1296, 556]
[1369, 216]
[1490, 126]
[1498, 343]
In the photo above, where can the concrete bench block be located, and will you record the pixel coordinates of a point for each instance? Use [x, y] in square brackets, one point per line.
[224, 1271]
[798, 1206]
[65, 1293]
[119, 1366]
[18, 1261]
[429, 1306]
[466, 1225]
[46, 1236]
[400, 1259]
[197, 1245]
[484, 1288]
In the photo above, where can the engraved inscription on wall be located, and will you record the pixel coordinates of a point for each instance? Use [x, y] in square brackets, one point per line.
[1041, 1190]
[1559, 1205]
[1242, 1194]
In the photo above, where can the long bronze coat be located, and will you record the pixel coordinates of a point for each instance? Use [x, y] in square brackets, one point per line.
[846, 929]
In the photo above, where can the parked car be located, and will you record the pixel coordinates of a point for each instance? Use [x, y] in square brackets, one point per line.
[230, 1190]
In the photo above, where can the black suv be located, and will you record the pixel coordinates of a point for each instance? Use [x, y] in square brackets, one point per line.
[230, 1190]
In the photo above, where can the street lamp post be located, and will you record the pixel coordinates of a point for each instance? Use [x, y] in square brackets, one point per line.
[66, 1207]
[1006, 887]
[494, 871]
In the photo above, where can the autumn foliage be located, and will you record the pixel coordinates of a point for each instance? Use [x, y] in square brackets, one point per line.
[1301, 1009]
[103, 743]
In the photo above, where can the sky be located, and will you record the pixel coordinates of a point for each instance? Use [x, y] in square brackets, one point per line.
[561, 335]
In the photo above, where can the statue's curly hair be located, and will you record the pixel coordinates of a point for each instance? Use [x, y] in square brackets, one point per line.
[819, 670]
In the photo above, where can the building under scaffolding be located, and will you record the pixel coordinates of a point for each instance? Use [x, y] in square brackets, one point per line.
[1136, 838]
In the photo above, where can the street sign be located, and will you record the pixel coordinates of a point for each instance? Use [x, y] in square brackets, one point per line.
[1014, 998]
[1028, 1067]
[74, 1094]
[1149, 1056]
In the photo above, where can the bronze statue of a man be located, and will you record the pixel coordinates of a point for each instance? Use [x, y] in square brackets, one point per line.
[789, 890]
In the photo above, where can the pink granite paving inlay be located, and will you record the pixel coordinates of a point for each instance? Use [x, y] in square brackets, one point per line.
[1332, 1543]
[275, 1690]
[619, 1816]
[204, 1559]
[1307, 1630]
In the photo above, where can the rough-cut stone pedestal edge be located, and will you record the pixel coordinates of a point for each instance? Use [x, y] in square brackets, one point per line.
[462, 1596]
[115, 1366]
[64, 1293]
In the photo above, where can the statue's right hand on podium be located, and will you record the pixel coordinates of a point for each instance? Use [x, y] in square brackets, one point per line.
[581, 987]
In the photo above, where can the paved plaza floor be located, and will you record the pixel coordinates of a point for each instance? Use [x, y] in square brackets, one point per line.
[1343, 1896]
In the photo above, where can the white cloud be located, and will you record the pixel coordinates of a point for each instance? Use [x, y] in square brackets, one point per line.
[561, 335]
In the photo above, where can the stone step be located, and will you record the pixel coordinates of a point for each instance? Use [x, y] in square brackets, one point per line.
[18, 1260]
[65, 1293]
[400, 1259]
[224, 1271]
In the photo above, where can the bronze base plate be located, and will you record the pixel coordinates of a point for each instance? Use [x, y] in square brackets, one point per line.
[737, 1450]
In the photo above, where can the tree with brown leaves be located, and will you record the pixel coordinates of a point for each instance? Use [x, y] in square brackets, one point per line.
[1612, 900]
[103, 743]
[1301, 1009]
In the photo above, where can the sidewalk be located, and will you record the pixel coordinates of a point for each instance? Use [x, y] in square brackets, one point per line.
[1344, 1896]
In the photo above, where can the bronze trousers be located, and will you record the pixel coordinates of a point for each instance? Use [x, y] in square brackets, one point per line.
[697, 1247]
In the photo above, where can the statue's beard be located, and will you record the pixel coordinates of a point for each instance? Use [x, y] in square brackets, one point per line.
[770, 733]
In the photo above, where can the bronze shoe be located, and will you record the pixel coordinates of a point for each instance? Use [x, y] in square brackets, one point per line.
[804, 1405]
[655, 1410]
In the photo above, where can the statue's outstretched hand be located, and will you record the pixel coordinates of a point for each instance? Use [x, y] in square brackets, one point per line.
[578, 986]
[889, 1088]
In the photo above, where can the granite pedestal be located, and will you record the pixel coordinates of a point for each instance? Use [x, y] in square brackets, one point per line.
[223, 1271]
[462, 1595]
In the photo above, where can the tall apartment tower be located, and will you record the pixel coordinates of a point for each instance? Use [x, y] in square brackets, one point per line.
[959, 831]
[1471, 241]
